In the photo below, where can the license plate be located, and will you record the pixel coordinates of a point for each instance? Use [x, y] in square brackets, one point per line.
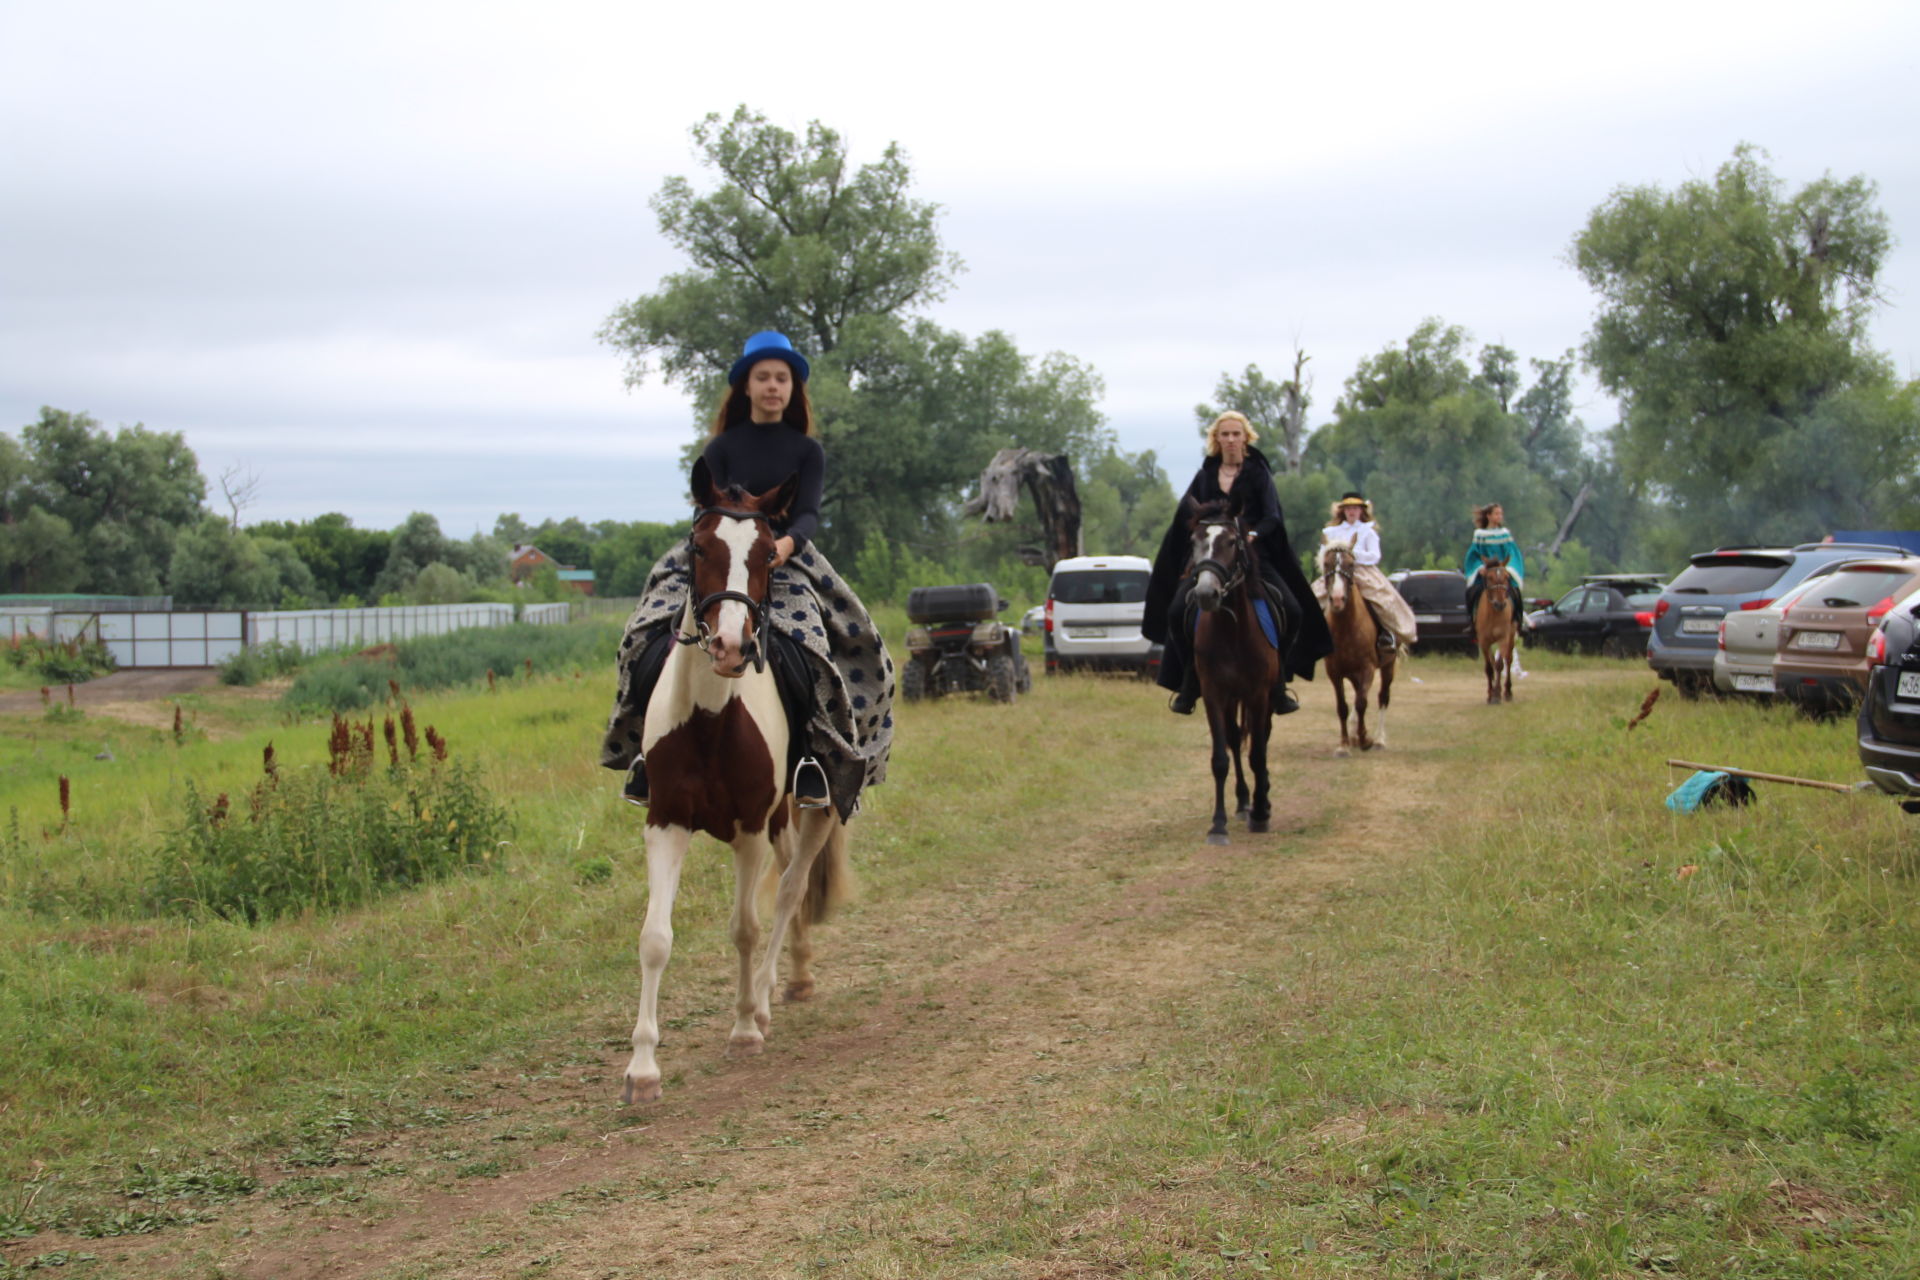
[1086, 633]
[1757, 684]
[1701, 626]
[1909, 684]
[1426, 617]
[1817, 640]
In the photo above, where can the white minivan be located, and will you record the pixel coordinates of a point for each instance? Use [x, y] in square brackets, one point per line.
[1094, 608]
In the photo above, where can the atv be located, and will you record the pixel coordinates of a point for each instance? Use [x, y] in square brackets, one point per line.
[956, 643]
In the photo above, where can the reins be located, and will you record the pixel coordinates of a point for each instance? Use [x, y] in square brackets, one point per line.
[758, 610]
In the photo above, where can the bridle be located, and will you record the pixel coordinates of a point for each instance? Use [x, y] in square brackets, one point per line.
[1229, 579]
[759, 611]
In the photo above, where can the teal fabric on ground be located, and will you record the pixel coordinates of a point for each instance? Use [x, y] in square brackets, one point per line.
[1692, 793]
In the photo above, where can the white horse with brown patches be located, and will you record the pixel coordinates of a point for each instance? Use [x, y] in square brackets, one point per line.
[715, 743]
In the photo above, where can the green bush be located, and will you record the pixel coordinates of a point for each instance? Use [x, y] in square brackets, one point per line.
[328, 840]
[459, 658]
[61, 661]
[261, 662]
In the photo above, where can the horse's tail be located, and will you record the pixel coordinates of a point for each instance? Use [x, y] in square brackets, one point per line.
[830, 881]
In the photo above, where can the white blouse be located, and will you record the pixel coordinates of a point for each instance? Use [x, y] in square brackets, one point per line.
[1363, 537]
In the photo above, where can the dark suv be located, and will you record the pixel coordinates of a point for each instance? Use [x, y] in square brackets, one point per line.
[1438, 598]
[1686, 621]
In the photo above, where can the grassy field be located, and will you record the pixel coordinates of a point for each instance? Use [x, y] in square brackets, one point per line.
[1522, 1021]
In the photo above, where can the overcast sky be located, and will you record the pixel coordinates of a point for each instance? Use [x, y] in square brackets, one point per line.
[360, 250]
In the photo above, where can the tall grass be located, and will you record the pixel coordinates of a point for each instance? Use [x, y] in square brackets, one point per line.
[356, 682]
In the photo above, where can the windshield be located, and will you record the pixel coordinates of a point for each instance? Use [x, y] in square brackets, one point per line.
[1729, 575]
[1854, 588]
[1101, 586]
[1442, 591]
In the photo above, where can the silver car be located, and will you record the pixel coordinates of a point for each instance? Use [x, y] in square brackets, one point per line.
[1743, 662]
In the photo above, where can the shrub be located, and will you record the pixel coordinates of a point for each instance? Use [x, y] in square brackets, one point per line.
[460, 657]
[261, 662]
[326, 841]
[60, 661]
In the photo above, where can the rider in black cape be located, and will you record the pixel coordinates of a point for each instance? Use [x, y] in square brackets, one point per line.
[1308, 639]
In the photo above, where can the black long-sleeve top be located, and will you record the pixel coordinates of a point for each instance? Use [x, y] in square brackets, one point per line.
[759, 456]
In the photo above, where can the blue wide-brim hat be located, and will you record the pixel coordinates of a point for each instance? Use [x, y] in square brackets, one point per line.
[768, 344]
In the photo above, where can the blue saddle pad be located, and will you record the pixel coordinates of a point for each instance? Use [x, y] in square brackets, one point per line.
[1261, 610]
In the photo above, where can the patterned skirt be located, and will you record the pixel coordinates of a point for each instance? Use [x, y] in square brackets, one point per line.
[852, 727]
[1387, 603]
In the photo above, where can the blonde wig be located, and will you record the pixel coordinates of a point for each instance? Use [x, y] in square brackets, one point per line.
[1213, 428]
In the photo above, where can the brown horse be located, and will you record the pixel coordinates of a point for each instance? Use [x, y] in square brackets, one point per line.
[1496, 629]
[1356, 655]
[1237, 667]
[715, 743]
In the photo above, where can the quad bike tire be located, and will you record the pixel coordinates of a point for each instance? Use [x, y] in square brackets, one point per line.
[1003, 683]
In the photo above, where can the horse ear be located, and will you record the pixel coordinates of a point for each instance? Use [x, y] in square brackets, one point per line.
[702, 484]
[1184, 514]
[782, 500]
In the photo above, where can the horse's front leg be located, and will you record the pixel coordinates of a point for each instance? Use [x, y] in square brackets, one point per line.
[1258, 735]
[751, 1017]
[1219, 726]
[801, 844]
[1507, 668]
[1493, 673]
[1340, 703]
[666, 853]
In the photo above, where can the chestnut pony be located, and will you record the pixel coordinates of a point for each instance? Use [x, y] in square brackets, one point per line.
[1237, 667]
[1356, 655]
[1496, 630]
[715, 744]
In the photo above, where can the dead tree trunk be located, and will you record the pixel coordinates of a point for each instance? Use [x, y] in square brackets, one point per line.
[1048, 478]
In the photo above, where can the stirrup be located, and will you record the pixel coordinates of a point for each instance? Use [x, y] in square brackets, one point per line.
[634, 790]
[1283, 703]
[810, 784]
[1386, 641]
[1181, 704]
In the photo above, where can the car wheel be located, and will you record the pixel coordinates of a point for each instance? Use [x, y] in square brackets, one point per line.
[913, 681]
[1002, 682]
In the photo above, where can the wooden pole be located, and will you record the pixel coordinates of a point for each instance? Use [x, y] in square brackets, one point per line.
[1762, 777]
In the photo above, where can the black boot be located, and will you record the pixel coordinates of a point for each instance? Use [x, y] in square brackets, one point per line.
[1283, 703]
[635, 790]
[810, 784]
[1189, 693]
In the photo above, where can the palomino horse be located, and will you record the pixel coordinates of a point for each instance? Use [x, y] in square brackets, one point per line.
[1495, 629]
[1237, 667]
[1356, 652]
[715, 744]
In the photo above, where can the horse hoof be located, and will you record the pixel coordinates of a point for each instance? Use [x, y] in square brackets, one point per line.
[638, 1092]
[1258, 826]
[1341, 752]
[746, 1046]
[1216, 837]
[798, 991]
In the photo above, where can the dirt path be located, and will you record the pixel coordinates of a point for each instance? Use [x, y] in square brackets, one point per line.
[938, 1020]
[116, 688]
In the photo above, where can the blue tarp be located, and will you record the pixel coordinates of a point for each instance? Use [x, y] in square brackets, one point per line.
[1908, 538]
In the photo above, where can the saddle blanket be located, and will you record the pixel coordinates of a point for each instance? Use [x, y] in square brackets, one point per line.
[1261, 610]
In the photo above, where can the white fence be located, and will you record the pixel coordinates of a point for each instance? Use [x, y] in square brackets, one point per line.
[207, 639]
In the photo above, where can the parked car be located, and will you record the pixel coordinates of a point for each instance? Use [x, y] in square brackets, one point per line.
[1034, 621]
[957, 644]
[1889, 726]
[1822, 664]
[1095, 605]
[1608, 613]
[1438, 598]
[1728, 580]
[1750, 641]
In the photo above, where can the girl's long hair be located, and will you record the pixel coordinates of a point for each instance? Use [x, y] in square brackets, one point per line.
[1481, 515]
[737, 408]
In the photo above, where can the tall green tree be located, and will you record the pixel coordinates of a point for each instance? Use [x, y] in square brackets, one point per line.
[38, 552]
[344, 560]
[1425, 438]
[126, 496]
[1733, 329]
[797, 238]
